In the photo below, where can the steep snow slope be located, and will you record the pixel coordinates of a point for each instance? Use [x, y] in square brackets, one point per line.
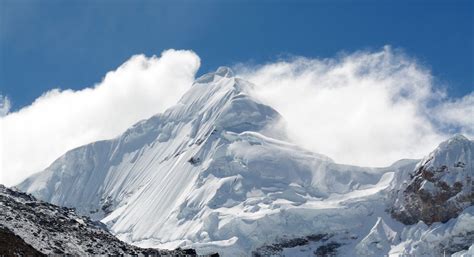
[207, 173]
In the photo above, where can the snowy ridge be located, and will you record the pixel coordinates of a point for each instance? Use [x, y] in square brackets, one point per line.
[379, 240]
[207, 174]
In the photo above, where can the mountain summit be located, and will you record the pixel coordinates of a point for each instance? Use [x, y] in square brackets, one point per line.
[206, 174]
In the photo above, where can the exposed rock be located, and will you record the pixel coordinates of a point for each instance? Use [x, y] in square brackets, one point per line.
[457, 243]
[281, 244]
[440, 187]
[13, 245]
[327, 250]
[194, 160]
[34, 228]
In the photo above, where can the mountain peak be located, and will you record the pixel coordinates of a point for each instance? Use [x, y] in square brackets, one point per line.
[222, 100]
[457, 139]
[460, 137]
[224, 71]
[453, 150]
[221, 72]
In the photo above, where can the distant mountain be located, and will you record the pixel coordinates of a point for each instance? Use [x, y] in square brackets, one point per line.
[209, 174]
[29, 227]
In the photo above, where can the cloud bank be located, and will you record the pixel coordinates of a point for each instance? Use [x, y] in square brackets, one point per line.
[365, 108]
[58, 121]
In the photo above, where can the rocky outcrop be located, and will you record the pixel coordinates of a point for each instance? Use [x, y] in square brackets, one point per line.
[440, 187]
[30, 227]
[276, 248]
[319, 245]
[13, 245]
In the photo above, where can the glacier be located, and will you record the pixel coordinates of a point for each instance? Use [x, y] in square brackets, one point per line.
[210, 173]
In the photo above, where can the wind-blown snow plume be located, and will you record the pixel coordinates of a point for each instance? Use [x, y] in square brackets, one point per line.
[365, 108]
[58, 121]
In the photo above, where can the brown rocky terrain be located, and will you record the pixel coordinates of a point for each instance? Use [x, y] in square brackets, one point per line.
[440, 187]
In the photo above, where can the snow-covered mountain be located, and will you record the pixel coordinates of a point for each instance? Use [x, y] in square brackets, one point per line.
[211, 174]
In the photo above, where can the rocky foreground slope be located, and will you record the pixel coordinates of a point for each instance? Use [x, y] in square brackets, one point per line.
[209, 174]
[13, 245]
[31, 227]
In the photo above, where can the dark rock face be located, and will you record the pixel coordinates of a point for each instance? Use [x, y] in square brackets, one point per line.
[277, 247]
[36, 228]
[322, 245]
[443, 203]
[13, 245]
[327, 250]
[457, 243]
[440, 187]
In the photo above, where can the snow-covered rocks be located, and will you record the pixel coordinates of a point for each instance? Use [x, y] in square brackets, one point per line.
[465, 253]
[437, 239]
[440, 187]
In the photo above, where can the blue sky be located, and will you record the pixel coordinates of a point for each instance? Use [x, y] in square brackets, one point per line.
[58, 44]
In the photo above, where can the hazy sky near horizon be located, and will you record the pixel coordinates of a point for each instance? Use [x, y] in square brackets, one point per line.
[396, 74]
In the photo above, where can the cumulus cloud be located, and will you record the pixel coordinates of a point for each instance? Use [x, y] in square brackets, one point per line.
[364, 108]
[58, 121]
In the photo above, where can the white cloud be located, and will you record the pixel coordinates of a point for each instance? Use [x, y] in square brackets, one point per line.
[36, 135]
[457, 113]
[4, 105]
[366, 108]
